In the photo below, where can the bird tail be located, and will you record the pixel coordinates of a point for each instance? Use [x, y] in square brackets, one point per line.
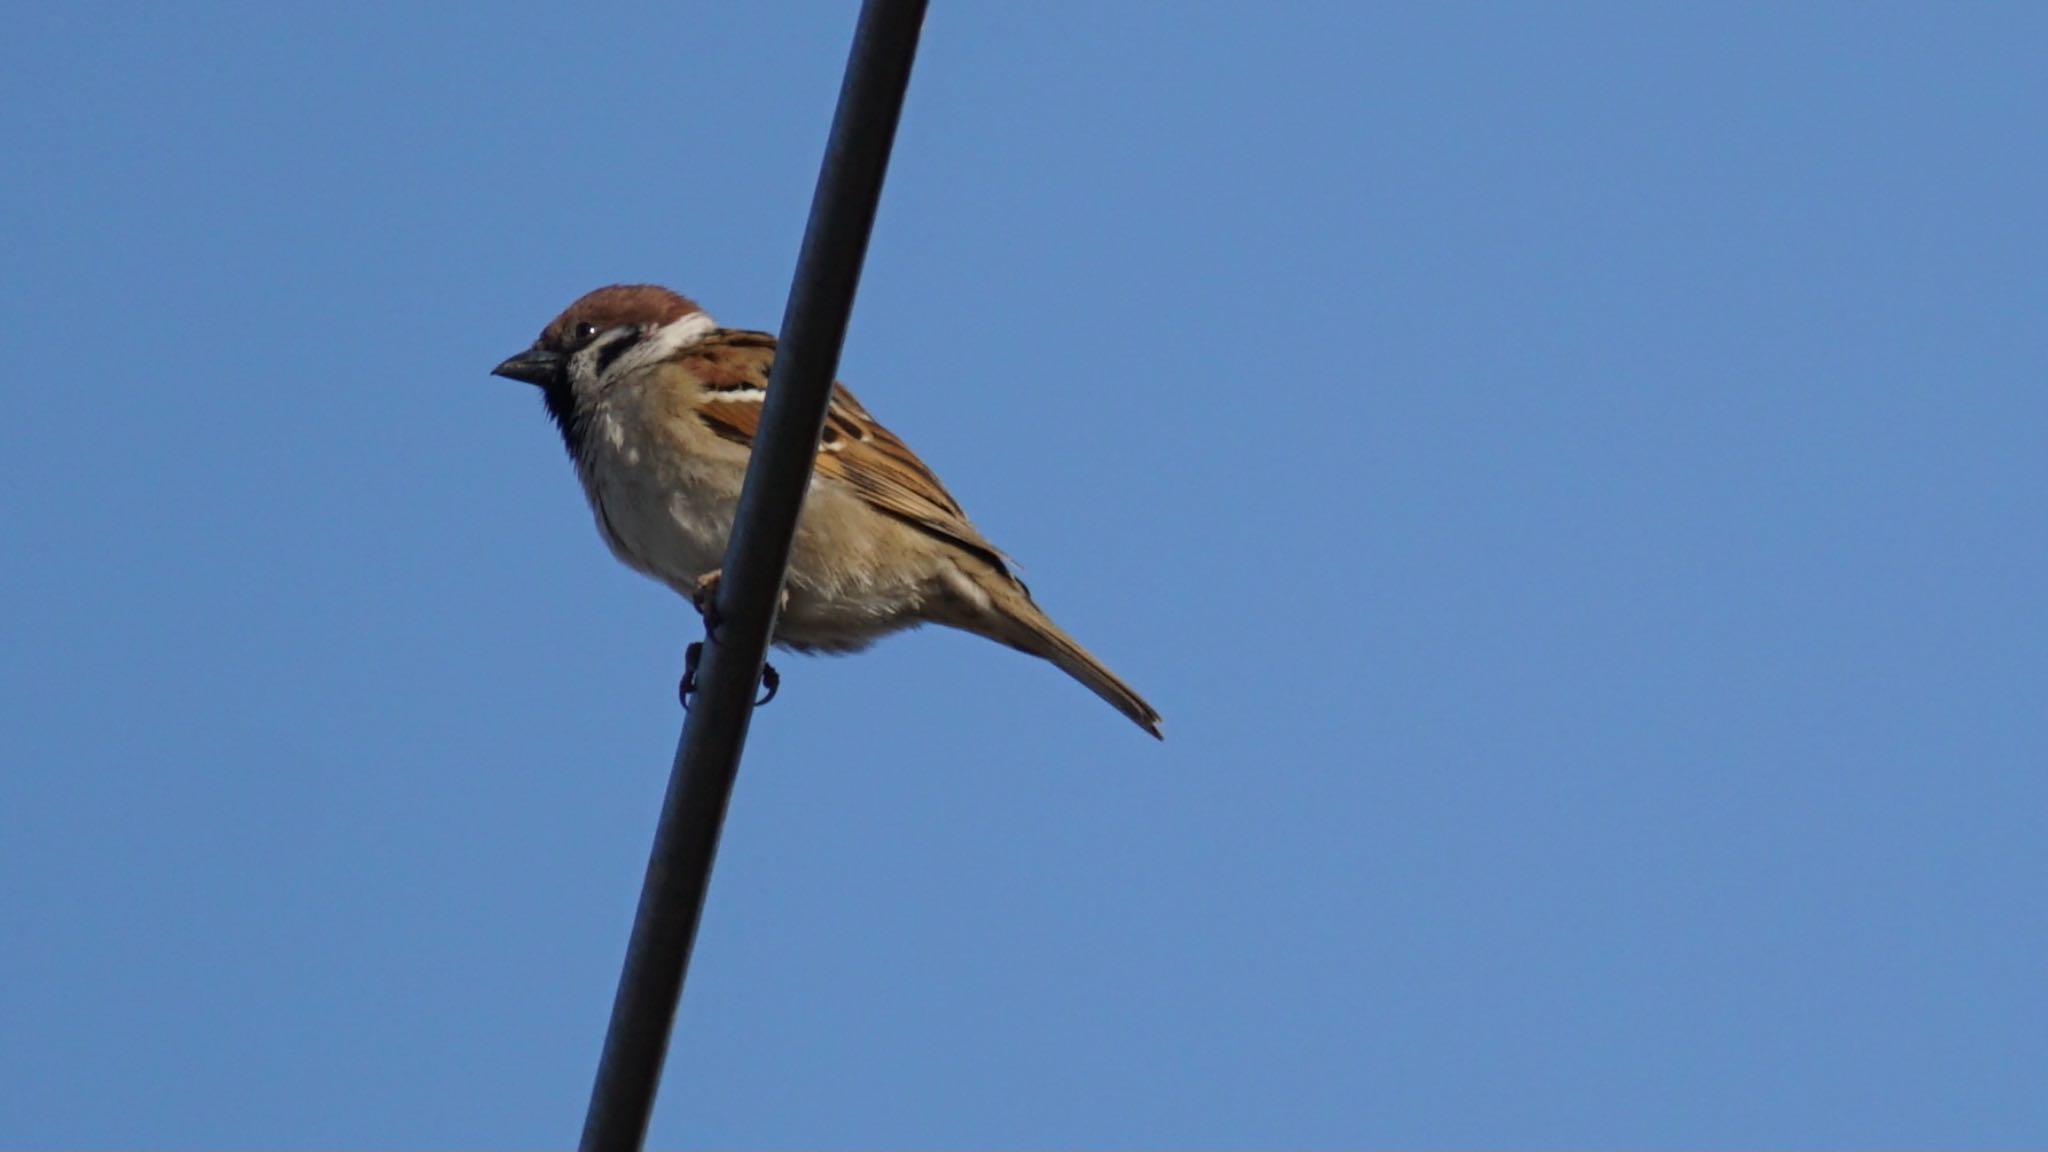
[1023, 625]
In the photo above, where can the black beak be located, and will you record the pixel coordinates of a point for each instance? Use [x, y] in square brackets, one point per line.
[534, 366]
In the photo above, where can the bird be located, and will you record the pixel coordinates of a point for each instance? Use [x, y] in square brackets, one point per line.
[658, 405]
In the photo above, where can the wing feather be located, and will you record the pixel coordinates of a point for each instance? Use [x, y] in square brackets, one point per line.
[855, 451]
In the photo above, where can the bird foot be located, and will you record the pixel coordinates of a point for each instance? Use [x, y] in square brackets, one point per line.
[693, 656]
[705, 598]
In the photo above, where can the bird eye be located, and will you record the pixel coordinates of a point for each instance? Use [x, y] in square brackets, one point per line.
[585, 331]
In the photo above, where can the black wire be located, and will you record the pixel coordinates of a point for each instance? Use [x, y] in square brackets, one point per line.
[756, 559]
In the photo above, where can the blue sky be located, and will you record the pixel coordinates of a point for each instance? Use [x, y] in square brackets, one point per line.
[1570, 475]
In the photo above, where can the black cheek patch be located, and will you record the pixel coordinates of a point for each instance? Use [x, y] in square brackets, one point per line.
[610, 353]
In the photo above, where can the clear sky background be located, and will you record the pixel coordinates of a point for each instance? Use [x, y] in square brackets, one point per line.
[1571, 476]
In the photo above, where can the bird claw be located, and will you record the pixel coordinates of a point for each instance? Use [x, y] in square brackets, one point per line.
[693, 656]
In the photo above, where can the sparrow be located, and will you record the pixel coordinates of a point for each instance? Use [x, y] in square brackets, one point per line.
[658, 406]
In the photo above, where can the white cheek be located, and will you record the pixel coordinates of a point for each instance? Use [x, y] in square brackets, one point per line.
[583, 378]
[659, 344]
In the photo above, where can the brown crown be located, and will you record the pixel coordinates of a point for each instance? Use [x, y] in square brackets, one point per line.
[617, 305]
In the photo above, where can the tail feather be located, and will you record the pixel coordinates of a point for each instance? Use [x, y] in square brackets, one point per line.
[1024, 626]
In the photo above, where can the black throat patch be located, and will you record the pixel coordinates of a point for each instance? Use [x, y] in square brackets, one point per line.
[562, 410]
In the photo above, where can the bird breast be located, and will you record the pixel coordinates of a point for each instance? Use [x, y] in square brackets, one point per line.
[663, 503]
[665, 490]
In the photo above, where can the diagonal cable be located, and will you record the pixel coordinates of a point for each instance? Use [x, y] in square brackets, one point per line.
[756, 560]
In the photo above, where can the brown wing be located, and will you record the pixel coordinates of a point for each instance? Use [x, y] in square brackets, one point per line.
[855, 450]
